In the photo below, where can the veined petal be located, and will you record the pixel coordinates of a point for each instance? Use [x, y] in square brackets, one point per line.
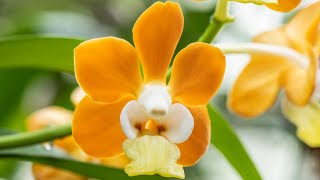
[96, 127]
[107, 69]
[178, 124]
[156, 35]
[197, 73]
[197, 144]
[284, 5]
[306, 118]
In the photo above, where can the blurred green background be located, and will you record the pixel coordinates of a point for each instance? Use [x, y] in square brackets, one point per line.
[270, 140]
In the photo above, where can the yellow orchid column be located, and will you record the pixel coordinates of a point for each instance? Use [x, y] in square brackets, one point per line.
[290, 65]
[160, 127]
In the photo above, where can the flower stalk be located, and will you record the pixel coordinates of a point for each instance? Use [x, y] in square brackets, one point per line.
[218, 20]
[260, 48]
[35, 137]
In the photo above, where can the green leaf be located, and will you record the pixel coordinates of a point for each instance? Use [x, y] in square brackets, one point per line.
[226, 140]
[50, 53]
[59, 159]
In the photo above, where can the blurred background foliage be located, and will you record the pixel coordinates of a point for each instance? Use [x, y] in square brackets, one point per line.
[270, 140]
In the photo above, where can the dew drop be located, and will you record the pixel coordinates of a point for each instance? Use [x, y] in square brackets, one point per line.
[48, 146]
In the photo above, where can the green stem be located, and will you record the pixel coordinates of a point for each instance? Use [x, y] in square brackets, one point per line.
[211, 31]
[219, 18]
[35, 137]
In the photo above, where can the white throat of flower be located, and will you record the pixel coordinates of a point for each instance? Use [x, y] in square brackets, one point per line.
[174, 121]
[154, 126]
[156, 100]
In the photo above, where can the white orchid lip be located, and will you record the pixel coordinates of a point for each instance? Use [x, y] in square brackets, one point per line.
[132, 116]
[155, 99]
[176, 126]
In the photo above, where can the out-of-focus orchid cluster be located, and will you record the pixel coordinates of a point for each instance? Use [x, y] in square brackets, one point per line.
[259, 84]
[52, 116]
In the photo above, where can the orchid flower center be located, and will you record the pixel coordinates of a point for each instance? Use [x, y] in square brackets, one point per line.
[154, 114]
[156, 100]
[154, 126]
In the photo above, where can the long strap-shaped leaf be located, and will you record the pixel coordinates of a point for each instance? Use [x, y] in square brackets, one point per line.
[51, 53]
[58, 159]
[225, 139]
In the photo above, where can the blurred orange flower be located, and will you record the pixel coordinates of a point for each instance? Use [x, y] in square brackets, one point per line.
[257, 87]
[278, 5]
[51, 116]
[122, 107]
[284, 5]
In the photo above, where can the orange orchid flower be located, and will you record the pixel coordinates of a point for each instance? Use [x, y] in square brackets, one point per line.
[257, 87]
[153, 123]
